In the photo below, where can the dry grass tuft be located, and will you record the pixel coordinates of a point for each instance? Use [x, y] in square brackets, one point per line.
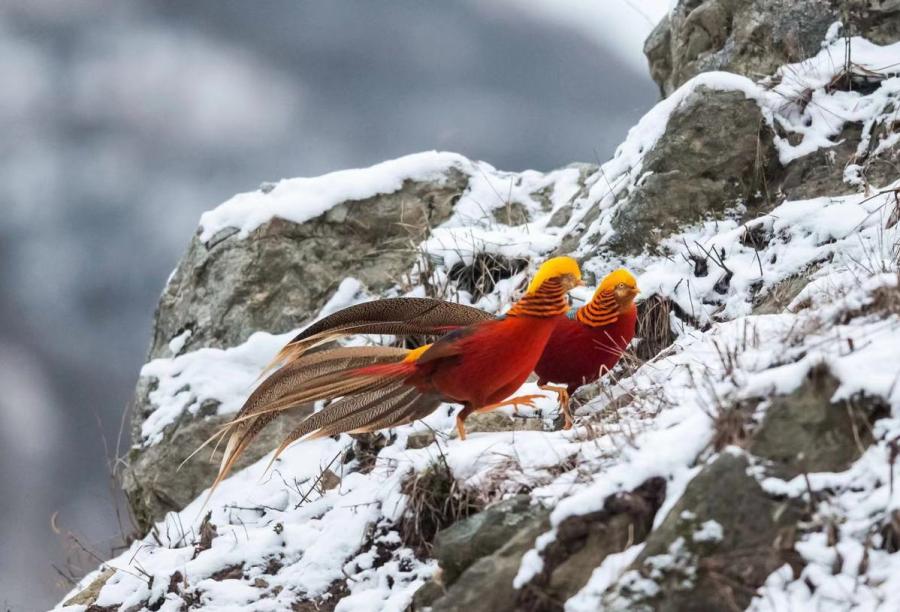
[885, 300]
[436, 500]
[654, 326]
[732, 424]
[481, 276]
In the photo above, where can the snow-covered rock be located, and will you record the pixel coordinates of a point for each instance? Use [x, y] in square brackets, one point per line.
[769, 434]
[755, 38]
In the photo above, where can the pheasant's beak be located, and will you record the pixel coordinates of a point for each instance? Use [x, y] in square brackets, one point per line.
[580, 283]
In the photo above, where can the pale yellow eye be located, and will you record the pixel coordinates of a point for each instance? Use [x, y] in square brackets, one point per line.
[621, 286]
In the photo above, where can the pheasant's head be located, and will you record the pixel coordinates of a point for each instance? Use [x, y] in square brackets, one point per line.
[622, 284]
[564, 270]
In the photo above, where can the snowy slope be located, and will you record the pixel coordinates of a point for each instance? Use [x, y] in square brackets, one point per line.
[291, 538]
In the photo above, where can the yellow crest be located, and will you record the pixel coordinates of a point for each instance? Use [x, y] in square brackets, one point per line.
[614, 279]
[557, 266]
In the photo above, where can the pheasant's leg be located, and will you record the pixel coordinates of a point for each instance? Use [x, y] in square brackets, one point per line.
[461, 421]
[523, 400]
[563, 396]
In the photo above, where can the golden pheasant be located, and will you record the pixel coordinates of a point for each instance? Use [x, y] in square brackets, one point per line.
[477, 366]
[583, 346]
[590, 340]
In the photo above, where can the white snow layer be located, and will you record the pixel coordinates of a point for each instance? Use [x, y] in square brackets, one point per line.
[291, 538]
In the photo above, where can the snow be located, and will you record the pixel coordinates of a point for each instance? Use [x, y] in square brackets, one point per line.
[186, 381]
[710, 531]
[294, 540]
[608, 572]
[302, 199]
[177, 343]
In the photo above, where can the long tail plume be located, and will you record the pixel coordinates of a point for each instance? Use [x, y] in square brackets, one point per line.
[395, 316]
[369, 382]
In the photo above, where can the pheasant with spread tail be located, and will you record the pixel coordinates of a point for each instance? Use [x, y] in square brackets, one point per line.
[373, 388]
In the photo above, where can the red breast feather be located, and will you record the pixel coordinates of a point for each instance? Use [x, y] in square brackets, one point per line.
[576, 353]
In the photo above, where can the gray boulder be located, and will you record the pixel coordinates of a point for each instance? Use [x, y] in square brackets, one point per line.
[755, 37]
[283, 272]
[715, 547]
[715, 155]
[726, 534]
[487, 584]
[460, 545]
[274, 279]
[584, 541]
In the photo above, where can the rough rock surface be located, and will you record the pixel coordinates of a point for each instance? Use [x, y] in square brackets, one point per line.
[716, 156]
[583, 542]
[760, 437]
[153, 485]
[805, 432]
[227, 288]
[754, 37]
[462, 544]
[754, 538]
[487, 583]
[749, 532]
[275, 279]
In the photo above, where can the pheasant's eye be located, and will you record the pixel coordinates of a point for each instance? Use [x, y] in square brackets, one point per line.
[620, 286]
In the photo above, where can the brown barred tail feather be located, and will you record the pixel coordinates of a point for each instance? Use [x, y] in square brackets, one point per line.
[395, 316]
[320, 375]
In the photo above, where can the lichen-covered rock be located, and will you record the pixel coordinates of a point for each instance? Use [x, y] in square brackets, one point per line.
[500, 421]
[283, 272]
[156, 482]
[715, 547]
[583, 541]
[274, 279]
[753, 38]
[805, 432]
[727, 534]
[460, 545]
[88, 596]
[487, 584]
[715, 156]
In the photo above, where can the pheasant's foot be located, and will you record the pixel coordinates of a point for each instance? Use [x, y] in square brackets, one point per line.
[521, 400]
[563, 396]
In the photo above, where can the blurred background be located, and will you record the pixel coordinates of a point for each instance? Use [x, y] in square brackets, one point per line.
[122, 121]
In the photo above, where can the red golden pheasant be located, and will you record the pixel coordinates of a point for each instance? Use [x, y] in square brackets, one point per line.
[590, 340]
[583, 346]
[478, 366]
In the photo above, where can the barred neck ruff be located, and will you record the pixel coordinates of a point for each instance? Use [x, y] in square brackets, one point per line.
[548, 301]
[602, 310]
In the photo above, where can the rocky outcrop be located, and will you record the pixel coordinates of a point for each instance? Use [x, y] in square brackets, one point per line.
[716, 155]
[715, 547]
[727, 534]
[737, 501]
[487, 584]
[462, 544]
[159, 479]
[805, 432]
[276, 278]
[584, 541]
[283, 272]
[754, 38]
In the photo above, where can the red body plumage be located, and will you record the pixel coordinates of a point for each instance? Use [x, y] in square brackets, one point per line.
[481, 367]
[577, 353]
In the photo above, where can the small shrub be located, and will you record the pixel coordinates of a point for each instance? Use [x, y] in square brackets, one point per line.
[436, 500]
